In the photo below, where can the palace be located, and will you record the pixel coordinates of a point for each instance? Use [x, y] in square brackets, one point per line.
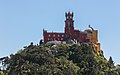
[89, 35]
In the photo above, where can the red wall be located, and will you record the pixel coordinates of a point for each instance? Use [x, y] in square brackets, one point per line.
[74, 34]
[82, 37]
[53, 36]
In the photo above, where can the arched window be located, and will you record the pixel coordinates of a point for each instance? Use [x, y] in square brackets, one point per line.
[49, 35]
[54, 35]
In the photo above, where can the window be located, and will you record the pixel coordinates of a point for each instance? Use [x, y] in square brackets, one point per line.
[61, 38]
[49, 35]
[58, 35]
[54, 35]
[62, 35]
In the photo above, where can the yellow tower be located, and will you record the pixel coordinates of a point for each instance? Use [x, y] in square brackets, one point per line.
[92, 35]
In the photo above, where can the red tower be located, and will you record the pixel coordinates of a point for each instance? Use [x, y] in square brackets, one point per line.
[69, 25]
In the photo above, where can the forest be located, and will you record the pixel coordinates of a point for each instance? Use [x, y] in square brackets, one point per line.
[59, 59]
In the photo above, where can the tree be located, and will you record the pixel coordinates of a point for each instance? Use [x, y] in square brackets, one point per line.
[66, 60]
[110, 63]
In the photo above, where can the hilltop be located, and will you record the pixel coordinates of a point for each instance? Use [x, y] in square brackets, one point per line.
[60, 59]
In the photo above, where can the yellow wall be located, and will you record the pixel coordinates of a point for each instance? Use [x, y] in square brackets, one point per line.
[94, 39]
[94, 36]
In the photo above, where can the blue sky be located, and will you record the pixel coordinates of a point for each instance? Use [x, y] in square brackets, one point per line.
[22, 21]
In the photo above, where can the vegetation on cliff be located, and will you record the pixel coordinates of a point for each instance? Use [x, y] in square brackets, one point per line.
[60, 59]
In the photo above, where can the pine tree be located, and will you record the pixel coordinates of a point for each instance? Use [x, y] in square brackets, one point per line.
[110, 62]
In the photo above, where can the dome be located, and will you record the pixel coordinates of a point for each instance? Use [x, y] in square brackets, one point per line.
[88, 30]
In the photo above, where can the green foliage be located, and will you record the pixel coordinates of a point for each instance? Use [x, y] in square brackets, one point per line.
[62, 60]
[20, 51]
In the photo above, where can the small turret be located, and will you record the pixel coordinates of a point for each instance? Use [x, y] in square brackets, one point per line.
[44, 31]
[69, 15]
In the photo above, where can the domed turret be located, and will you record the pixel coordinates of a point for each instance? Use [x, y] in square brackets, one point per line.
[89, 30]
